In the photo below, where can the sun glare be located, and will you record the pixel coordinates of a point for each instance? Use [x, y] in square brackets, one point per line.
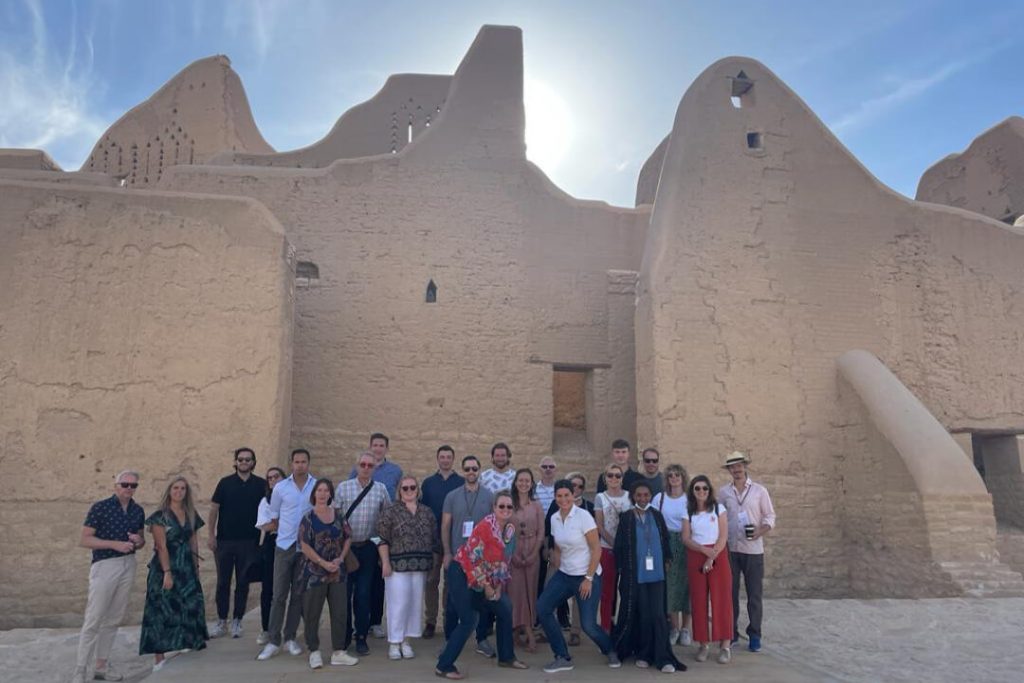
[548, 125]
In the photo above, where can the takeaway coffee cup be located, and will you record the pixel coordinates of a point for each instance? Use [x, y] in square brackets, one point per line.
[749, 529]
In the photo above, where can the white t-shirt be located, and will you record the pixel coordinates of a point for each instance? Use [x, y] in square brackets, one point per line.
[570, 537]
[263, 513]
[704, 526]
[494, 481]
[673, 510]
[611, 508]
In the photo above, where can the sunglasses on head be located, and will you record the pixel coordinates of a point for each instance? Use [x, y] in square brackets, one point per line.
[470, 468]
[409, 487]
[128, 485]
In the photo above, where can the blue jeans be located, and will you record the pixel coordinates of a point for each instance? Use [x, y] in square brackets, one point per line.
[461, 601]
[451, 619]
[561, 587]
[500, 611]
[359, 586]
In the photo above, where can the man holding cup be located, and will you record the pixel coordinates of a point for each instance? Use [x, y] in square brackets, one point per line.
[751, 517]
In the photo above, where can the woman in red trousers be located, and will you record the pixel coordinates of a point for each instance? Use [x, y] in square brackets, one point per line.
[705, 531]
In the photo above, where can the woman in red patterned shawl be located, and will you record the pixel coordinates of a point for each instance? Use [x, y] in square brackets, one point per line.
[484, 559]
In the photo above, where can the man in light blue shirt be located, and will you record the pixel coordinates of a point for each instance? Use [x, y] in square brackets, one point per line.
[289, 502]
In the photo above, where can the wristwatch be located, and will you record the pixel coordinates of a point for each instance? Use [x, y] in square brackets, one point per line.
[589, 577]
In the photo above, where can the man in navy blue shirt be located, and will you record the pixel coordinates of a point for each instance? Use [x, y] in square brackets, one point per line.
[434, 489]
[113, 530]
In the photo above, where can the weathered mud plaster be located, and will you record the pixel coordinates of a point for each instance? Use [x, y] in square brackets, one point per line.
[771, 253]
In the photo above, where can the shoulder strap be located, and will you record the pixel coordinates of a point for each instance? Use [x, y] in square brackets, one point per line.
[358, 500]
[661, 501]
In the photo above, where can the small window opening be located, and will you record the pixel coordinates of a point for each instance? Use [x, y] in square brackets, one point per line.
[431, 292]
[742, 91]
[754, 141]
[306, 273]
[409, 139]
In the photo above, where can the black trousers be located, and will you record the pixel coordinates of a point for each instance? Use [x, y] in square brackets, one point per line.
[234, 558]
[360, 592]
[267, 594]
[752, 568]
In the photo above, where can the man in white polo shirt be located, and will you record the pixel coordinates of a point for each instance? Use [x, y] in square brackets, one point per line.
[288, 504]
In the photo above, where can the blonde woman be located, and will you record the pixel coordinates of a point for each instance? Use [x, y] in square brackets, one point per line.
[408, 542]
[672, 506]
[174, 616]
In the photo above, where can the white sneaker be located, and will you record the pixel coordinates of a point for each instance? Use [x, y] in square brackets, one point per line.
[78, 676]
[263, 638]
[673, 637]
[268, 651]
[407, 652]
[294, 649]
[315, 660]
[218, 629]
[342, 658]
[159, 665]
[377, 631]
[394, 651]
[685, 637]
[236, 628]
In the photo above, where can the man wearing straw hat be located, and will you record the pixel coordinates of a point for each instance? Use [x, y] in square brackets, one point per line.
[751, 517]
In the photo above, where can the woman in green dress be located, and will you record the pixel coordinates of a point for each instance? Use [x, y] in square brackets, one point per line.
[174, 617]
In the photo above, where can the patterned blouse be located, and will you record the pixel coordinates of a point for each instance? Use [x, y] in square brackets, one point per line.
[412, 539]
[485, 554]
[327, 540]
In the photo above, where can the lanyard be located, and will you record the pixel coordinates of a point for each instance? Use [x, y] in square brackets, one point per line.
[465, 498]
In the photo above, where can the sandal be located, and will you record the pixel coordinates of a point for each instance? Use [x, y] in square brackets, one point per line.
[514, 664]
[453, 675]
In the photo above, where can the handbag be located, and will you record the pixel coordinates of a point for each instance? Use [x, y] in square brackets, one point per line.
[351, 561]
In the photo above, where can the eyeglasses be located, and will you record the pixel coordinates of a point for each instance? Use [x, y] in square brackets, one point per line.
[649, 461]
[701, 488]
[612, 475]
[128, 485]
[470, 469]
[504, 507]
[547, 467]
[409, 488]
[366, 465]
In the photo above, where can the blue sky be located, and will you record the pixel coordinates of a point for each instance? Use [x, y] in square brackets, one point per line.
[902, 84]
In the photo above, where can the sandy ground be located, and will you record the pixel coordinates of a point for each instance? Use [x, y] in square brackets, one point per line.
[806, 640]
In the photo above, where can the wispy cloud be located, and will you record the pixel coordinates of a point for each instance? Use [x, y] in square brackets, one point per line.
[45, 97]
[254, 20]
[902, 91]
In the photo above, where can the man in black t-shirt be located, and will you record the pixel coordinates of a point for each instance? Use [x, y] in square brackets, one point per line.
[235, 537]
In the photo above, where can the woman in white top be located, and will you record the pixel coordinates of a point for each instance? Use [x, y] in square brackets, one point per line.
[577, 559]
[705, 532]
[608, 505]
[268, 540]
[672, 506]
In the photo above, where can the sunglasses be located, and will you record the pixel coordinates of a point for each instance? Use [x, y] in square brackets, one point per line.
[674, 474]
[649, 461]
[471, 469]
[366, 465]
[547, 467]
[409, 488]
[612, 475]
[701, 488]
[127, 485]
[577, 486]
[505, 506]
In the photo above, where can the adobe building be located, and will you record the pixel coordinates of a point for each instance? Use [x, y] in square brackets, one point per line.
[190, 290]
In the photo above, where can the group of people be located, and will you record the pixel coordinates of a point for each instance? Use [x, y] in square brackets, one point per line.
[639, 568]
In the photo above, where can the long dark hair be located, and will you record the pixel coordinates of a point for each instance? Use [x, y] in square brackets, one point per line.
[515, 489]
[691, 500]
[277, 469]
